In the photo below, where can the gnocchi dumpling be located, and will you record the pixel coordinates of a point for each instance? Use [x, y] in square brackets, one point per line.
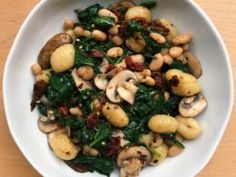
[188, 128]
[63, 58]
[115, 115]
[159, 154]
[163, 124]
[183, 84]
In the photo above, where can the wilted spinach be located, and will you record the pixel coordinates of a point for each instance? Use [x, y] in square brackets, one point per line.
[103, 134]
[134, 26]
[171, 138]
[60, 88]
[103, 23]
[42, 109]
[148, 3]
[73, 123]
[102, 165]
[179, 65]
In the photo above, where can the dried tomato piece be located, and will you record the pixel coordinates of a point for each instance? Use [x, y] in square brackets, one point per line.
[157, 76]
[96, 54]
[113, 146]
[63, 110]
[134, 66]
[93, 120]
[159, 28]
[174, 81]
[40, 87]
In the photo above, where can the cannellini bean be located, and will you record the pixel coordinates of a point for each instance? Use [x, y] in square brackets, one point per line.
[174, 151]
[115, 52]
[175, 52]
[168, 59]
[87, 33]
[117, 40]
[86, 72]
[185, 84]
[75, 111]
[163, 124]
[138, 58]
[115, 115]
[90, 151]
[113, 30]
[166, 96]
[99, 35]
[149, 81]
[44, 75]
[68, 24]
[107, 13]
[36, 69]
[79, 31]
[186, 47]
[162, 151]
[189, 128]
[182, 39]
[157, 62]
[158, 38]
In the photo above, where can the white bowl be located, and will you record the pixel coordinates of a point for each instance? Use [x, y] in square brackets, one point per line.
[46, 19]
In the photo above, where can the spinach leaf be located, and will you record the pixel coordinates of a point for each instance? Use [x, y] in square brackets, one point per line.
[171, 137]
[73, 123]
[152, 47]
[42, 109]
[85, 16]
[60, 88]
[148, 3]
[134, 27]
[83, 135]
[179, 65]
[102, 165]
[103, 133]
[85, 99]
[103, 22]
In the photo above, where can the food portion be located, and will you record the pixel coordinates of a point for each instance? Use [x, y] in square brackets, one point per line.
[119, 87]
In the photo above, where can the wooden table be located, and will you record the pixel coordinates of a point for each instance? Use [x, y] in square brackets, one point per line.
[13, 12]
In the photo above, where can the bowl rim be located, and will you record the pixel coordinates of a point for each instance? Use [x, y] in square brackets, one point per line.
[191, 3]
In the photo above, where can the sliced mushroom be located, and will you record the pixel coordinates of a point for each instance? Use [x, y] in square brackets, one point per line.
[132, 159]
[192, 106]
[47, 126]
[116, 81]
[104, 66]
[135, 152]
[80, 83]
[127, 92]
[193, 64]
[101, 81]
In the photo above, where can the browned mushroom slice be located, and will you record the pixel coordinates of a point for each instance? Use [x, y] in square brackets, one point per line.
[79, 82]
[192, 106]
[193, 64]
[47, 126]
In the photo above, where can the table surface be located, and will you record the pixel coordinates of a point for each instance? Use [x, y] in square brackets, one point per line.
[13, 12]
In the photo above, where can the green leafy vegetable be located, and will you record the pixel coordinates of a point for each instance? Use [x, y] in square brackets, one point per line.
[42, 109]
[180, 66]
[148, 3]
[85, 98]
[171, 137]
[103, 133]
[100, 164]
[60, 88]
[134, 27]
[83, 135]
[103, 22]
[71, 122]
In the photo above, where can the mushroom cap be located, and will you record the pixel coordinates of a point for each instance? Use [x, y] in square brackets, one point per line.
[101, 81]
[192, 106]
[115, 82]
[127, 92]
[47, 126]
[79, 82]
[138, 152]
[193, 64]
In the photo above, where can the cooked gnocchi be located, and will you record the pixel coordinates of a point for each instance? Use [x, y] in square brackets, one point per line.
[118, 86]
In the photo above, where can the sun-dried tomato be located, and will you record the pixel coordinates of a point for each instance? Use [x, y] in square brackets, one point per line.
[96, 54]
[159, 80]
[174, 81]
[63, 110]
[40, 87]
[159, 28]
[113, 146]
[134, 66]
[93, 120]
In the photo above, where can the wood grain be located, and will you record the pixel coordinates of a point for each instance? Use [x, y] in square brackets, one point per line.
[13, 12]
